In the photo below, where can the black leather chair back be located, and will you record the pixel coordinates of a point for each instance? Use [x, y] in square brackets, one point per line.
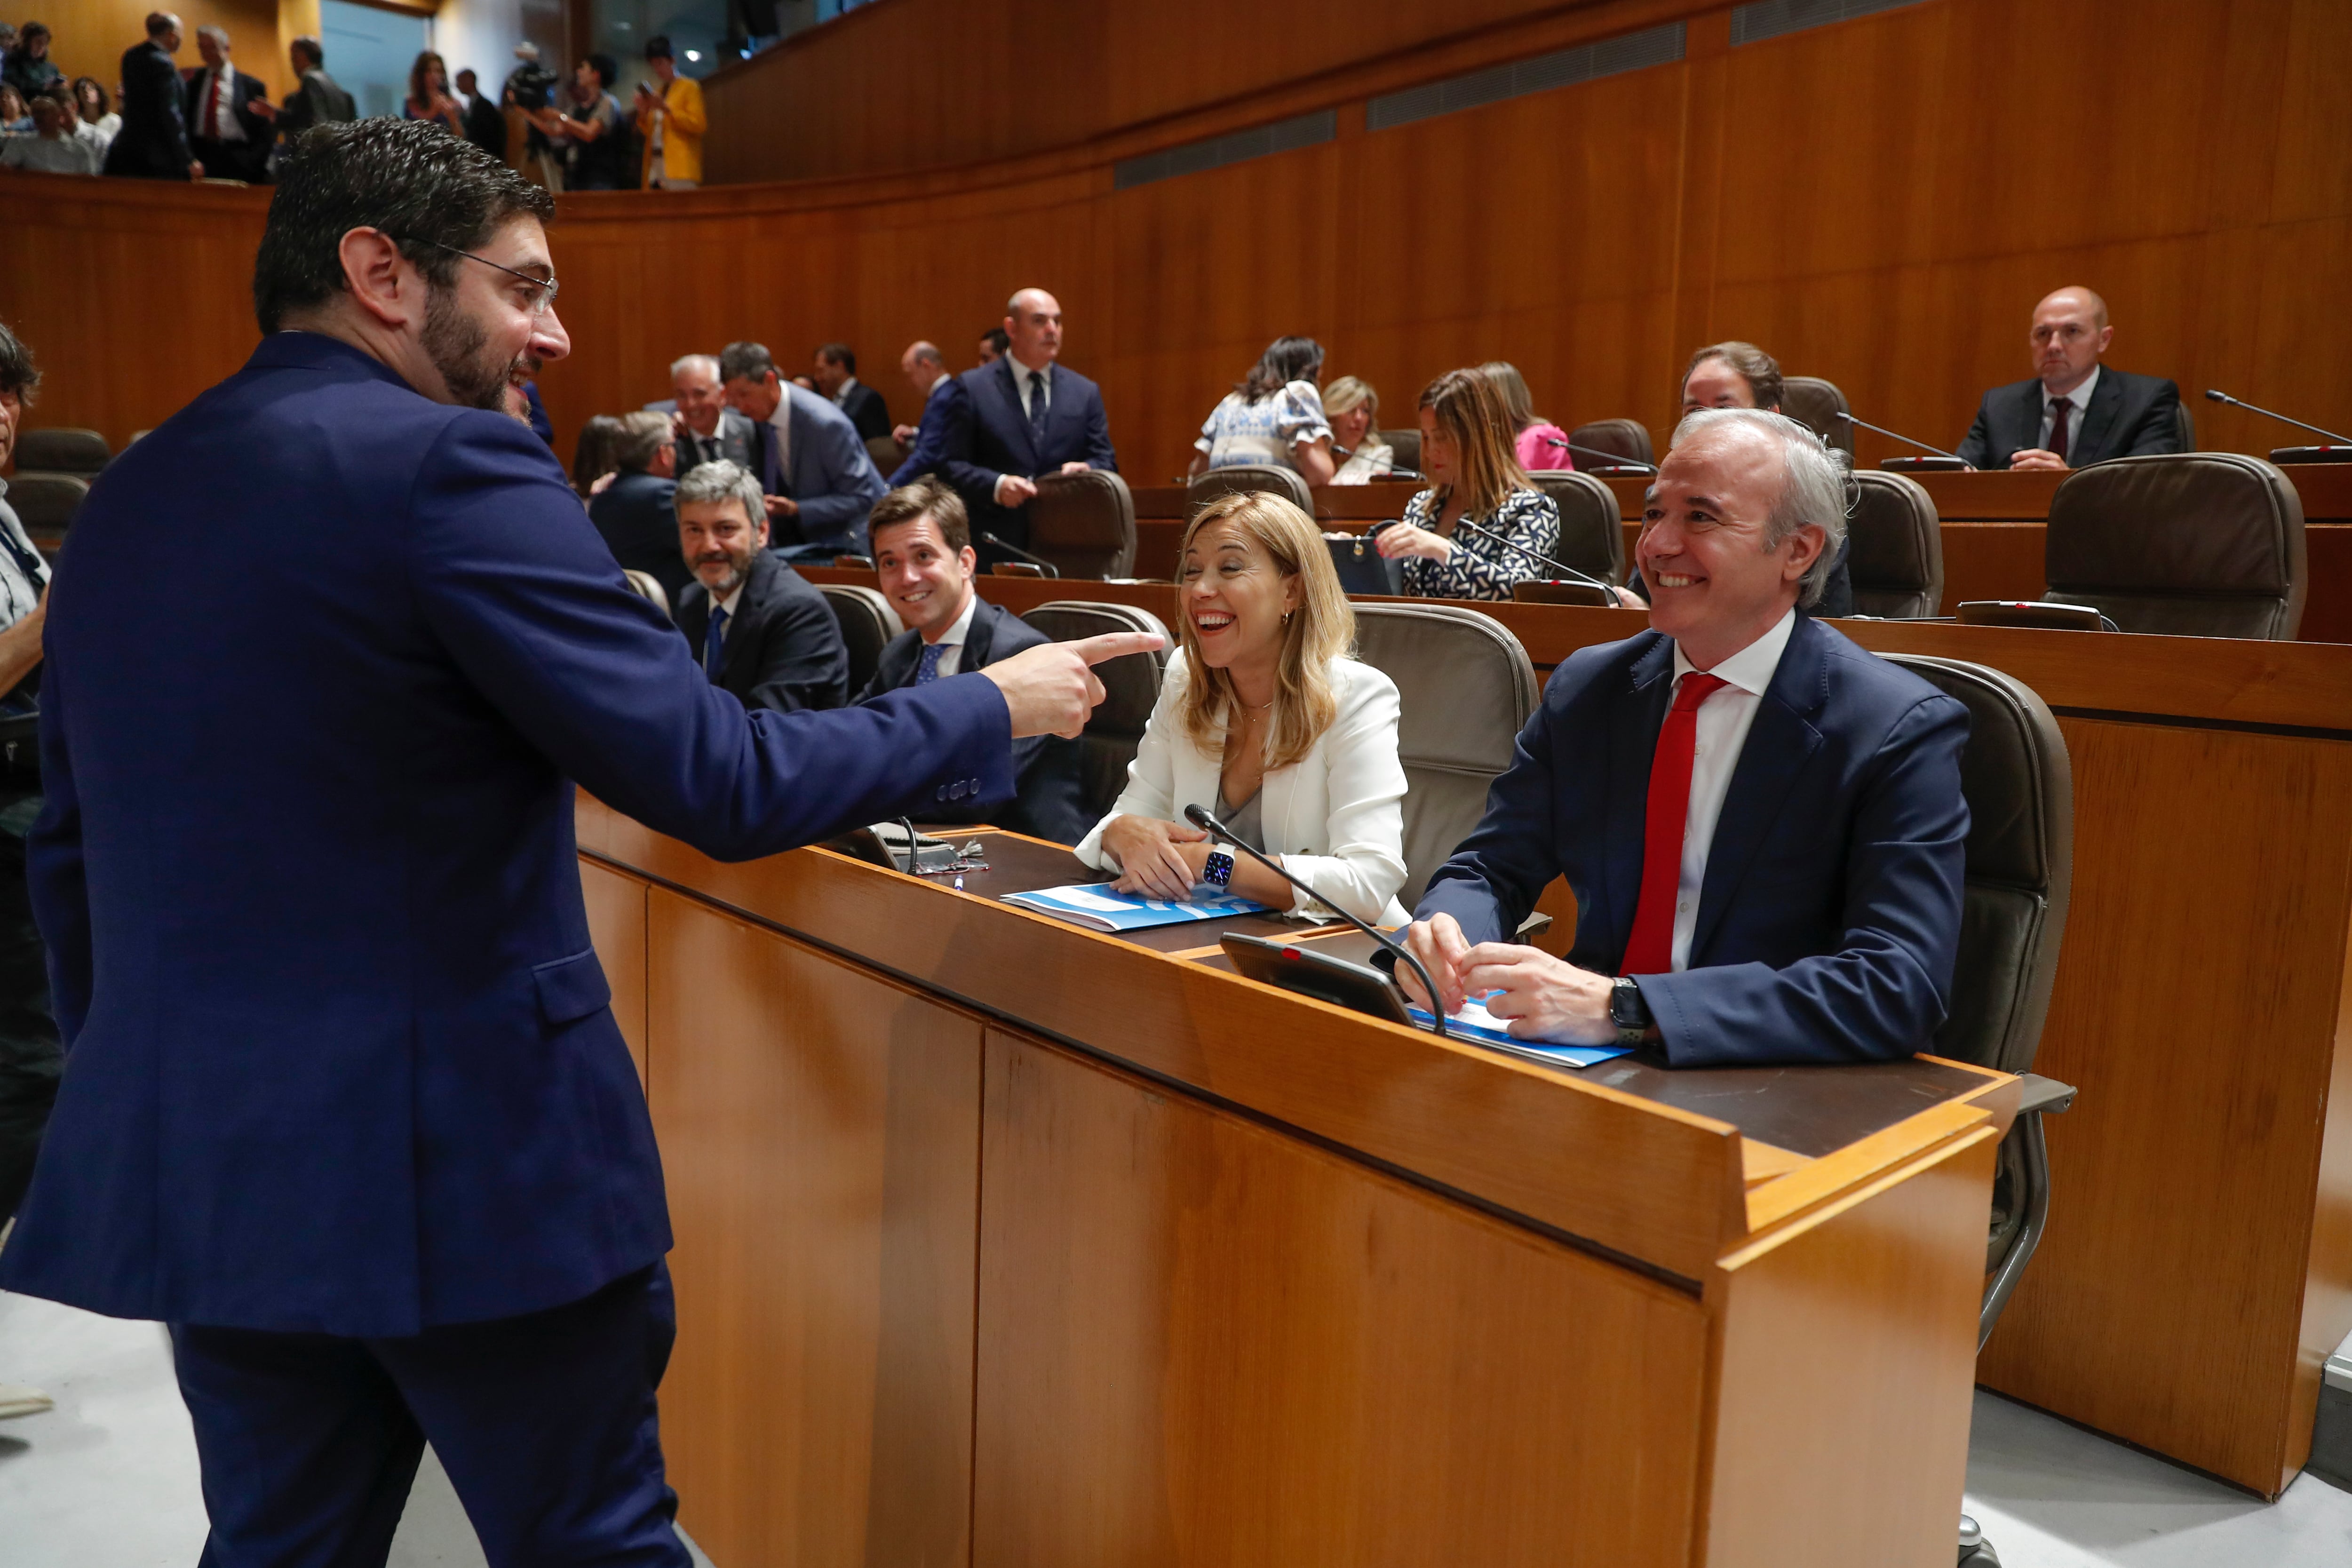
[1130, 689]
[1466, 689]
[2204, 544]
[885, 452]
[1592, 538]
[1894, 550]
[46, 504]
[1815, 403]
[1268, 478]
[1406, 445]
[1629, 438]
[1083, 523]
[867, 625]
[62, 450]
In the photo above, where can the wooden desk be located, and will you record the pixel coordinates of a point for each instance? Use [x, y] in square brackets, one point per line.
[1004, 1243]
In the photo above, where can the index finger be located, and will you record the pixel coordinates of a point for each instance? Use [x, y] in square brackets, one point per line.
[1115, 645]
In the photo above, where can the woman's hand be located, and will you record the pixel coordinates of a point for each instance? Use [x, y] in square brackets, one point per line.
[1157, 859]
[1409, 538]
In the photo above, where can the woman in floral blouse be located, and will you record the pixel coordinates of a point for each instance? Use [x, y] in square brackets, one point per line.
[1275, 417]
[1466, 440]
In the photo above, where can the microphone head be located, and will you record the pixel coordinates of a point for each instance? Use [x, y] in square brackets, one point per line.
[2218, 397]
[1198, 816]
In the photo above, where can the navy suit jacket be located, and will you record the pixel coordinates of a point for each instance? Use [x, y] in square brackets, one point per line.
[1049, 796]
[1830, 913]
[731, 443]
[783, 648]
[827, 470]
[930, 434]
[2130, 417]
[340, 1054]
[989, 437]
[637, 515]
[152, 142]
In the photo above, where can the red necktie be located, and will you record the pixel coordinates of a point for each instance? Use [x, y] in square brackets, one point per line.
[1651, 949]
[211, 109]
[2058, 411]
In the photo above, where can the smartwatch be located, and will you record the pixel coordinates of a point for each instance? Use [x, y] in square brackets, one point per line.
[1629, 1012]
[1217, 870]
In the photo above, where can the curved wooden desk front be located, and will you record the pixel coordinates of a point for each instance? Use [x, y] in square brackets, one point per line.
[1006, 1243]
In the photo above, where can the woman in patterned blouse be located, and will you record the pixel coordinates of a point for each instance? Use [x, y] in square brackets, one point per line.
[1273, 416]
[1466, 442]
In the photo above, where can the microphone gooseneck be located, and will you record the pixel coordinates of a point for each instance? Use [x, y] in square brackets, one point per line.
[1394, 472]
[1612, 459]
[1201, 817]
[1897, 435]
[1557, 566]
[1020, 555]
[2283, 419]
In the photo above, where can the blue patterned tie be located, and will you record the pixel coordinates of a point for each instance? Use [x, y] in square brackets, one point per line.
[714, 644]
[927, 669]
[1037, 411]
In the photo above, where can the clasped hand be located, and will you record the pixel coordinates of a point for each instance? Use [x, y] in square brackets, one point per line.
[1157, 859]
[1543, 998]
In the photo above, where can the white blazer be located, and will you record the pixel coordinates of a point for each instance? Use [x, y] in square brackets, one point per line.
[1336, 819]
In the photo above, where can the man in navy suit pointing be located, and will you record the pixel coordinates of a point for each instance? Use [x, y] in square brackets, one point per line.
[345, 1105]
[1762, 822]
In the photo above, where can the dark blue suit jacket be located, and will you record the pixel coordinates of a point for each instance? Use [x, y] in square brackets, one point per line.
[1830, 913]
[989, 437]
[341, 1058]
[827, 470]
[930, 434]
[2130, 417]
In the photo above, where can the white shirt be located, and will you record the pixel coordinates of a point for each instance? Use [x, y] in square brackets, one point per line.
[60, 156]
[727, 604]
[950, 643]
[18, 592]
[2081, 398]
[841, 398]
[1021, 381]
[1724, 719]
[227, 129]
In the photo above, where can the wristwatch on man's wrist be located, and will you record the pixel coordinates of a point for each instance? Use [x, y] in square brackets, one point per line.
[1217, 870]
[1629, 1012]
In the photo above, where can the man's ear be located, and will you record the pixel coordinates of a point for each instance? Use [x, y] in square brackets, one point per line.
[969, 559]
[759, 530]
[380, 281]
[1809, 542]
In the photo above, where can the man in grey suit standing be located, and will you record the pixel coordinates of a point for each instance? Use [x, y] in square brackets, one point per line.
[708, 430]
[813, 472]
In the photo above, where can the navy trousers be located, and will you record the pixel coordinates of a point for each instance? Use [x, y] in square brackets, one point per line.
[545, 1424]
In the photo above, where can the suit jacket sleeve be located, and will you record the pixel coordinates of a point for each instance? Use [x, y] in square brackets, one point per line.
[1883, 991]
[961, 445]
[930, 439]
[850, 483]
[258, 129]
[527, 601]
[1976, 447]
[804, 665]
[2158, 429]
[55, 876]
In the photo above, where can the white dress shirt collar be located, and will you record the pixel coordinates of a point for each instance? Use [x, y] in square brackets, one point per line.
[1750, 669]
[955, 635]
[1720, 734]
[841, 397]
[727, 603]
[2081, 399]
[1021, 374]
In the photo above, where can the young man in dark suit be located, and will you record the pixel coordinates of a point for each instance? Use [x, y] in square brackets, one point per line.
[230, 117]
[1023, 416]
[2076, 410]
[153, 142]
[835, 374]
[758, 627]
[1762, 822]
[319, 100]
[922, 549]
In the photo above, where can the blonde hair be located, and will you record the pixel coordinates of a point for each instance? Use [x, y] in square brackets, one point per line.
[1342, 395]
[1322, 628]
[1469, 408]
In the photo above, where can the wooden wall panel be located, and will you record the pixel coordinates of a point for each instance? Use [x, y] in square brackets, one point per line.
[820, 1137]
[91, 36]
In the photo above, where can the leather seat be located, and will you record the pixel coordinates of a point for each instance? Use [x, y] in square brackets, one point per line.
[867, 625]
[2201, 544]
[62, 450]
[885, 452]
[45, 502]
[1130, 690]
[648, 587]
[1591, 537]
[1267, 477]
[1083, 523]
[1629, 438]
[1815, 403]
[1466, 689]
[1406, 445]
[1894, 550]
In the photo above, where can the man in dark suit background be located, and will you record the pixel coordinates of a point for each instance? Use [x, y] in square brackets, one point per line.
[922, 550]
[345, 1101]
[812, 463]
[757, 626]
[1762, 822]
[230, 116]
[2074, 410]
[152, 143]
[708, 431]
[1023, 416]
[637, 513]
[835, 372]
[926, 370]
[319, 101]
[486, 122]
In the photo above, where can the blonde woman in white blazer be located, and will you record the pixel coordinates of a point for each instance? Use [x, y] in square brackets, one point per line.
[1264, 718]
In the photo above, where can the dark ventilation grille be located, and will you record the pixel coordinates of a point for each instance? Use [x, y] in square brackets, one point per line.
[1634, 51]
[1770, 18]
[1283, 136]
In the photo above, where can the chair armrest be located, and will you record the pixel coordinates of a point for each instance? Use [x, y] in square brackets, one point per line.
[2037, 1093]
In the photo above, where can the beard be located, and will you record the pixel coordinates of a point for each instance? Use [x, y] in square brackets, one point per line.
[457, 345]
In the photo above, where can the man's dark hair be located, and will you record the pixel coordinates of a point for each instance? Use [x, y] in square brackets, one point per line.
[927, 497]
[160, 23]
[309, 47]
[18, 374]
[745, 358]
[1285, 360]
[410, 178]
[1751, 365]
[998, 339]
[607, 68]
[841, 354]
[657, 47]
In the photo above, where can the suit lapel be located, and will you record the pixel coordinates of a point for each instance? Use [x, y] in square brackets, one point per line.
[2027, 412]
[1009, 385]
[1780, 748]
[978, 637]
[2098, 420]
[751, 610]
[1634, 721]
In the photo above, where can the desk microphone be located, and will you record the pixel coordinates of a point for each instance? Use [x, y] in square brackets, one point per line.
[1608, 459]
[1584, 577]
[2225, 398]
[1395, 473]
[1020, 555]
[1199, 817]
[1898, 435]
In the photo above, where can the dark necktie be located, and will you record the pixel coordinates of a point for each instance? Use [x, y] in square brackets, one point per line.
[714, 647]
[2058, 411]
[926, 668]
[1651, 949]
[1037, 411]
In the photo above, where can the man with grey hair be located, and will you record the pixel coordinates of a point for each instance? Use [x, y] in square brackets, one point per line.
[758, 627]
[1761, 822]
[636, 512]
[708, 430]
[230, 117]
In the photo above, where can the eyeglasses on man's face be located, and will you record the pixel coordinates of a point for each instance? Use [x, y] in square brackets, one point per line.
[543, 298]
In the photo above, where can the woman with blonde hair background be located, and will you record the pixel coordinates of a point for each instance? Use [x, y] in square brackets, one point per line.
[1265, 717]
[1354, 410]
[1475, 477]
